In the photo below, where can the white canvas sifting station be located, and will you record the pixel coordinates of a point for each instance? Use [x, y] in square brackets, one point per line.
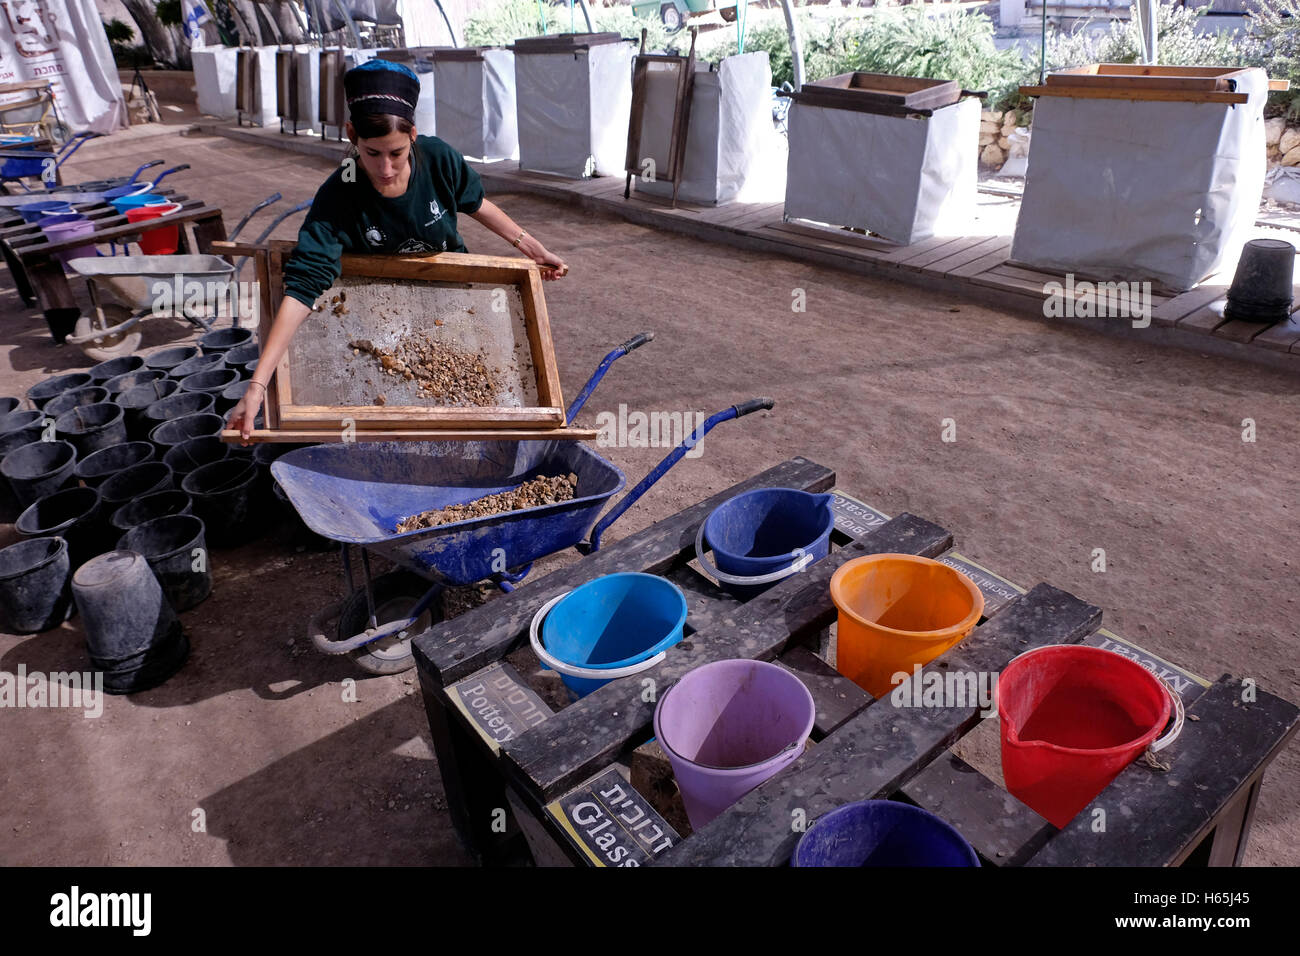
[728, 133]
[902, 177]
[214, 80]
[255, 86]
[475, 95]
[574, 97]
[1161, 189]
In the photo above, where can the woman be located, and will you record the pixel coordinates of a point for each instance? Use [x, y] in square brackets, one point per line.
[402, 201]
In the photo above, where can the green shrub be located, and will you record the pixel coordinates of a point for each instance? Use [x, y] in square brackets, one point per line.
[1274, 44]
[503, 21]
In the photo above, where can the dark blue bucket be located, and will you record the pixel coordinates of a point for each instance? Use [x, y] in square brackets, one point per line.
[882, 833]
[763, 536]
[617, 624]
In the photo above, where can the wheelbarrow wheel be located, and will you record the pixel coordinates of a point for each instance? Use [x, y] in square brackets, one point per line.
[111, 344]
[394, 593]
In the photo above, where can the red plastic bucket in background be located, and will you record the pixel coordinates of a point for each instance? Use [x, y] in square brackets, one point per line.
[1072, 718]
[161, 241]
[59, 231]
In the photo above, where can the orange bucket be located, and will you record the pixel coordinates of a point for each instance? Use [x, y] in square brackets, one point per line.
[897, 610]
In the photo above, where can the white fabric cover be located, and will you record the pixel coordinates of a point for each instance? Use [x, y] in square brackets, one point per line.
[1142, 190]
[214, 79]
[902, 177]
[63, 41]
[729, 131]
[573, 110]
[476, 105]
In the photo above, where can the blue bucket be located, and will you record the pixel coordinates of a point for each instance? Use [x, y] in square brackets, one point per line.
[35, 211]
[616, 625]
[882, 833]
[763, 536]
[123, 203]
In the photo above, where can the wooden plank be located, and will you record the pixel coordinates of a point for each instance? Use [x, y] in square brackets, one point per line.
[1142, 95]
[837, 698]
[1204, 320]
[779, 232]
[969, 254]
[1235, 330]
[593, 731]
[1280, 337]
[882, 748]
[1002, 830]
[454, 649]
[839, 237]
[757, 213]
[435, 434]
[1156, 818]
[1180, 306]
[997, 254]
[915, 249]
[412, 417]
[922, 261]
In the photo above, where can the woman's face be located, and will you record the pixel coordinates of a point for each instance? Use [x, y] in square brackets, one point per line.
[385, 158]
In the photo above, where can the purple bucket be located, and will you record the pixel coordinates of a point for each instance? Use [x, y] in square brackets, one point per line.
[727, 727]
[59, 231]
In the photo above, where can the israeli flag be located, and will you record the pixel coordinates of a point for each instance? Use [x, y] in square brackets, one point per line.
[196, 14]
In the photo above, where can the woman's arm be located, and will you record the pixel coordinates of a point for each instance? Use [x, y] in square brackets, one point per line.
[492, 216]
[287, 319]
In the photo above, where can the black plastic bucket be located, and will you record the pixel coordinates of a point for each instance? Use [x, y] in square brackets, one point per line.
[230, 396]
[195, 453]
[96, 468]
[72, 514]
[241, 355]
[121, 383]
[135, 482]
[75, 398]
[200, 363]
[91, 428]
[177, 405]
[225, 497]
[210, 383]
[135, 400]
[42, 392]
[115, 367]
[167, 359]
[20, 428]
[133, 636]
[223, 340]
[191, 426]
[9, 404]
[175, 547]
[147, 507]
[34, 585]
[39, 469]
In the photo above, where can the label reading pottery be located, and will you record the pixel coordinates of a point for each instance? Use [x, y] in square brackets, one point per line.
[498, 704]
[1189, 685]
[853, 517]
[612, 823]
[997, 590]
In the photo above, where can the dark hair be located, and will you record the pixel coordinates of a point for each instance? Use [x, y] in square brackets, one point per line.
[376, 125]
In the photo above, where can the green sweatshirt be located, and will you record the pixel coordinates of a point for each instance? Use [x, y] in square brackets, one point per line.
[348, 215]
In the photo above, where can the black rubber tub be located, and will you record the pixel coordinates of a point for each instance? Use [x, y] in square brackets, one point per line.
[135, 400]
[135, 482]
[75, 398]
[173, 501]
[34, 593]
[225, 498]
[223, 340]
[176, 548]
[97, 468]
[92, 428]
[73, 514]
[181, 429]
[115, 367]
[167, 359]
[42, 392]
[39, 469]
[121, 383]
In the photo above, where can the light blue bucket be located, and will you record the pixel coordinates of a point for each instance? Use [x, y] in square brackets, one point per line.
[608, 628]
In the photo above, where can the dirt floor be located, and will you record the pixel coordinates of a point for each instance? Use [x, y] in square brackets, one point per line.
[1065, 442]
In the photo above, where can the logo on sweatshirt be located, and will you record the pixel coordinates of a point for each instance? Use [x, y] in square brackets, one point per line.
[375, 236]
[437, 213]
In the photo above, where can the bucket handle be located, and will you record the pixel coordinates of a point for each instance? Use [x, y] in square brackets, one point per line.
[799, 564]
[573, 670]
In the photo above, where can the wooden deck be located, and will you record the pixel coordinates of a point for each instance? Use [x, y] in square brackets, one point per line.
[973, 266]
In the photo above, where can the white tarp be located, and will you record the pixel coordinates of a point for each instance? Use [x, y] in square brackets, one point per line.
[476, 105]
[307, 60]
[62, 41]
[573, 110]
[902, 177]
[1142, 190]
[729, 131]
[214, 79]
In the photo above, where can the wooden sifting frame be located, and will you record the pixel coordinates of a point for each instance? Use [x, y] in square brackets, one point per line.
[641, 67]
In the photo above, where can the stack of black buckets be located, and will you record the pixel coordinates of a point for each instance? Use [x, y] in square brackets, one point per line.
[119, 482]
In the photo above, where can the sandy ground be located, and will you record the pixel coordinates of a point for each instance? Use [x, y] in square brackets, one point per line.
[1065, 442]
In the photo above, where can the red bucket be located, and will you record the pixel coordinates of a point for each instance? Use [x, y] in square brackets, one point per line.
[161, 241]
[1073, 718]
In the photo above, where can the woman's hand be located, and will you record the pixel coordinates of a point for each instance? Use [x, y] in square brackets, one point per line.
[242, 416]
[553, 267]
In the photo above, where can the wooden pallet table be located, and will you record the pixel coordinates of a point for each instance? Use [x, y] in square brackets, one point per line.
[582, 786]
[39, 275]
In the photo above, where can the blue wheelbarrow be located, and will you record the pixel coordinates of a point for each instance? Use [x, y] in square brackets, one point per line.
[355, 494]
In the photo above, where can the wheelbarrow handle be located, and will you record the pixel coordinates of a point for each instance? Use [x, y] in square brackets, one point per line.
[635, 342]
[136, 175]
[674, 456]
[273, 198]
[167, 172]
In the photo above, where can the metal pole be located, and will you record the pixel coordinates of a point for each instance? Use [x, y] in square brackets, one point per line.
[447, 20]
[796, 45]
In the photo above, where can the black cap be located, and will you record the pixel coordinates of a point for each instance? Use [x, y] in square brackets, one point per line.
[381, 86]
